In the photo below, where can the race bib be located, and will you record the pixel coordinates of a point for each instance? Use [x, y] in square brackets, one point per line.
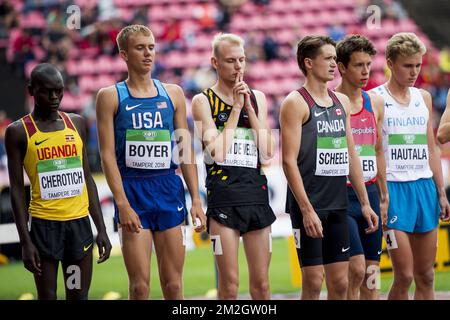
[60, 178]
[243, 151]
[407, 152]
[148, 149]
[332, 156]
[368, 160]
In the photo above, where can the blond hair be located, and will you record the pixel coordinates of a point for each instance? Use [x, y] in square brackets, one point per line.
[125, 33]
[221, 37]
[405, 44]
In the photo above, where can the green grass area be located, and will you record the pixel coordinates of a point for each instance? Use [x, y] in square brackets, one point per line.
[199, 276]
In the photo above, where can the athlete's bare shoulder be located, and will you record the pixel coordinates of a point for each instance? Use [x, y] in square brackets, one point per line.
[294, 106]
[15, 134]
[259, 94]
[107, 100]
[175, 93]
[426, 95]
[199, 99]
[77, 119]
[16, 128]
[342, 97]
[108, 91]
[295, 98]
[173, 89]
[376, 99]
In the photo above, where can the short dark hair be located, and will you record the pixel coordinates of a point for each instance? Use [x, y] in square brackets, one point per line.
[309, 47]
[353, 43]
[42, 70]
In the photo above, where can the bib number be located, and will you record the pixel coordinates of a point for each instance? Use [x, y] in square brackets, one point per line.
[148, 149]
[368, 160]
[60, 178]
[332, 156]
[407, 152]
[243, 151]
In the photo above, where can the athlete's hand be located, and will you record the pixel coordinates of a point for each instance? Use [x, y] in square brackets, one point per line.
[247, 101]
[104, 246]
[198, 216]
[445, 208]
[31, 259]
[129, 220]
[313, 225]
[371, 218]
[240, 90]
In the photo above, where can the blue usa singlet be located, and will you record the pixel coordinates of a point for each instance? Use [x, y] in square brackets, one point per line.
[143, 129]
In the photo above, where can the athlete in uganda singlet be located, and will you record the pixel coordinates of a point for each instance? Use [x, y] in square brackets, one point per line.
[239, 180]
[143, 130]
[54, 165]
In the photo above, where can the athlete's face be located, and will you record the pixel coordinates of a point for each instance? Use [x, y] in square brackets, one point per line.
[140, 54]
[323, 66]
[358, 69]
[405, 70]
[47, 90]
[229, 62]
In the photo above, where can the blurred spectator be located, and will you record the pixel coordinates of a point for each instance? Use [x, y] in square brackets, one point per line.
[444, 60]
[4, 122]
[205, 77]
[141, 16]
[393, 10]
[270, 47]
[336, 32]
[89, 16]
[206, 13]
[226, 10]
[106, 10]
[172, 36]
[8, 17]
[261, 2]
[361, 10]
[189, 83]
[23, 51]
[253, 50]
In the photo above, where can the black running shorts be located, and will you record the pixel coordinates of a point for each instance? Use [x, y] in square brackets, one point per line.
[333, 247]
[243, 218]
[68, 240]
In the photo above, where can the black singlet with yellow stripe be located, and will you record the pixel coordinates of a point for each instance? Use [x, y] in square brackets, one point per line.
[239, 180]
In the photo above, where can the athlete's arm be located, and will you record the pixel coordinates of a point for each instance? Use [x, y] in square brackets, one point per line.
[16, 145]
[355, 173]
[259, 124]
[103, 243]
[435, 161]
[443, 134]
[106, 107]
[187, 154]
[217, 143]
[378, 108]
[294, 113]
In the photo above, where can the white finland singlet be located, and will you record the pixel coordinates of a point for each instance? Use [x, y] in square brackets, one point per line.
[405, 137]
